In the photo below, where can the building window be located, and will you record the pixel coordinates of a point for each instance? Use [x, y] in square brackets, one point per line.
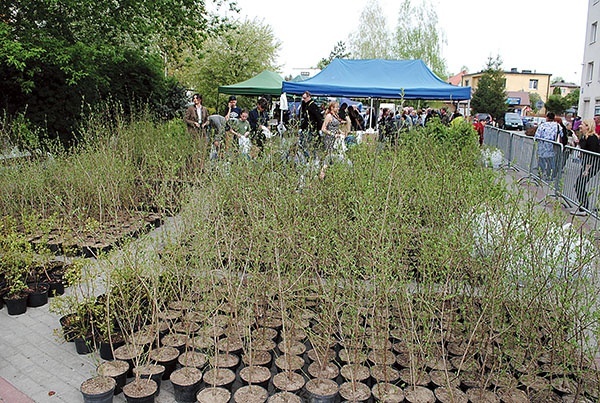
[590, 72]
[597, 108]
[593, 32]
[466, 83]
[533, 84]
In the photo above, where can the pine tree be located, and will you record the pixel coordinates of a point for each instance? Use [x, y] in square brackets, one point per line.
[490, 96]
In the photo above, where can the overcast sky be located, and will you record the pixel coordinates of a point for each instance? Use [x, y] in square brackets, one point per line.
[542, 36]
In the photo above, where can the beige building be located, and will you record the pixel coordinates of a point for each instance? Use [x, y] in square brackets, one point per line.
[516, 82]
[565, 88]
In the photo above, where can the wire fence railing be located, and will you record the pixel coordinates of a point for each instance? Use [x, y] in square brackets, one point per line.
[571, 174]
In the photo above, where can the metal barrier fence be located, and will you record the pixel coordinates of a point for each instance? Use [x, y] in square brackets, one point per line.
[570, 173]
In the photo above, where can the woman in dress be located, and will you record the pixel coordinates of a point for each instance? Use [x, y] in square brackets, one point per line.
[331, 125]
[333, 138]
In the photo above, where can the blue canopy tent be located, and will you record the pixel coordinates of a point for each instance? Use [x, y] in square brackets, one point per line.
[378, 78]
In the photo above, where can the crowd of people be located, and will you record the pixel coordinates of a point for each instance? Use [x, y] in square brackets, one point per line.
[325, 129]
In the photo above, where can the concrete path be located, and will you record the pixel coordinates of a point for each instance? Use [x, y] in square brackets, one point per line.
[37, 365]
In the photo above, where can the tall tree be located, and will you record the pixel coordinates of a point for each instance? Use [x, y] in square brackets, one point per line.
[372, 39]
[572, 98]
[490, 95]
[244, 50]
[74, 34]
[339, 52]
[418, 36]
[557, 104]
[56, 55]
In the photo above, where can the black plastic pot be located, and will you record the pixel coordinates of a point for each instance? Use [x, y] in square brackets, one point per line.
[57, 287]
[140, 391]
[186, 384]
[99, 389]
[38, 296]
[16, 306]
[84, 345]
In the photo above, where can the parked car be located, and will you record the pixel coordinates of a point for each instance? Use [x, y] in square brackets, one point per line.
[512, 121]
[484, 117]
[528, 122]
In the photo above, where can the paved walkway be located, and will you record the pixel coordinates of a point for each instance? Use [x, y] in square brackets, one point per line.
[36, 365]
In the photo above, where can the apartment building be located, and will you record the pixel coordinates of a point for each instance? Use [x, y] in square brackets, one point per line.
[589, 97]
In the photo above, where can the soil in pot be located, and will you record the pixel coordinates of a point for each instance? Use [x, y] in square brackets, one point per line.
[116, 370]
[16, 305]
[152, 371]
[230, 345]
[382, 357]
[321, 356]
[128, 352]
[167, 357]
[255, 375]
[287, 362]
[225, 361]
[355, 391]
[219, 377]
[262, 333]
[325, 370]
[258, 357]
[291, 347]
[513, 395]
[214, 395]
[387, 392]
[321, 390]
[38, 295]
[420, 394]
[450, 395]
[186, 384]
[140, 391]
[288, 381]
[284, 397]
[355, 372]
[409, 377]
[193, 359]
[176, 340]
[352, 356]
[99, 389]
[484, 396]
[444, 378]
[251, 394]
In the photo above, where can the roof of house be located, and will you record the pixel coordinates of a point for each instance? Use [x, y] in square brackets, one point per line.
[457, 79]
[564, 85]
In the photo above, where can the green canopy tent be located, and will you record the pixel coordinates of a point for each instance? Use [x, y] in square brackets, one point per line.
[265, 83]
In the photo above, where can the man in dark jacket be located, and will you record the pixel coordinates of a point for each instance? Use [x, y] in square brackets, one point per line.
[311, 121]
[259, 122]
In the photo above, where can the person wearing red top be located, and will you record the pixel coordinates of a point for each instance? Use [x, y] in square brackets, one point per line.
[479, 127]
[597, 121]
